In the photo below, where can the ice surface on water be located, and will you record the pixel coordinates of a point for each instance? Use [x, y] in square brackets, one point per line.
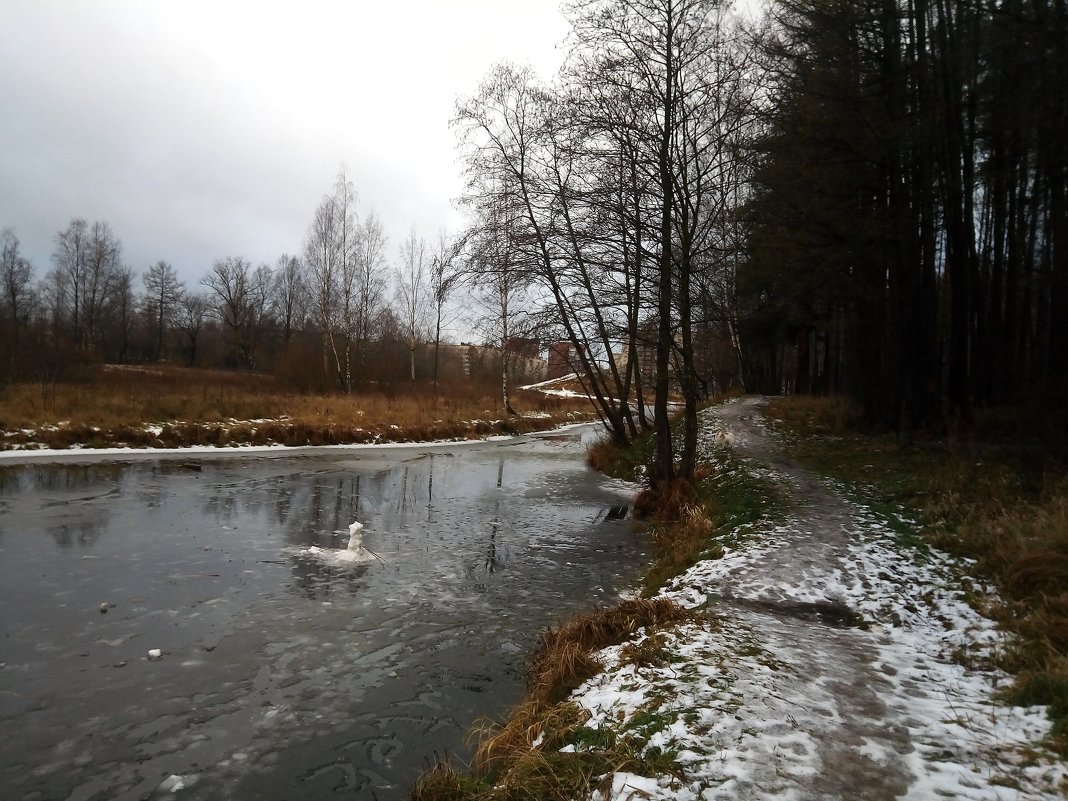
[284, 675]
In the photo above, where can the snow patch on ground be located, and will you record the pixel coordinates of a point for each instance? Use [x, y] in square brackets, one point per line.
[893, 698]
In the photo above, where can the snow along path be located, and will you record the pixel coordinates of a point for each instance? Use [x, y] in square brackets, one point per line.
[784, 697]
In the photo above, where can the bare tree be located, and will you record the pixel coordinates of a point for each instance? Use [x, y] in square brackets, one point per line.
[68, 283]
[163, 293]
[330, 254]
[289, 294]
[240, 296]
[121, 313]
[445, 275]
[193, 311]
[103, 268]
[16, 273]
[413, 292]
[371, 281]
[497, 275]
[87, 259]
[518, 148]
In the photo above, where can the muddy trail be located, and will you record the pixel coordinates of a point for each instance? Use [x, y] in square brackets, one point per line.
[862, 743]
[839, 663]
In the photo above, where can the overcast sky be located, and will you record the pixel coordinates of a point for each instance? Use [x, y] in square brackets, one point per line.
[200, 130]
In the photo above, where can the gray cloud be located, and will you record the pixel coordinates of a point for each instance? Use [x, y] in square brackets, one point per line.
[200, 130]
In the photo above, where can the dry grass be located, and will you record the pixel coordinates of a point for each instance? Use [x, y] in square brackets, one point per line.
[502, 746]
[444, 782]
[681, 545]
[693, 521]
[200, 407]
[508, 767]
[816, 414]
[670, 502]
[563, 660]
[603, 456]
[650, 652]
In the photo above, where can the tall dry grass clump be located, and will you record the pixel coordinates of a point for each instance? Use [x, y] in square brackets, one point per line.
[444, 782]
[603, 456]
[681, 545]
[666, 503]
[563, 658]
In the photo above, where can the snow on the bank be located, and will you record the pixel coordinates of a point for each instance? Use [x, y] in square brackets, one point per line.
[757, 705]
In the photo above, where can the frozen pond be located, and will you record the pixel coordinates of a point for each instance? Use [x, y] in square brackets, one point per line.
[283, 675]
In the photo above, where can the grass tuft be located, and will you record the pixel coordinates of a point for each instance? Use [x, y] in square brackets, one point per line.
[563, 658]
[505, 753]
[444, 782]
[649, 652]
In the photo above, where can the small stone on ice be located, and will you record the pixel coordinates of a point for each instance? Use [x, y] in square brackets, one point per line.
[155, 653]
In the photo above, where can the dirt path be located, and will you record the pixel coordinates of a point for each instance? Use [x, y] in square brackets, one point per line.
[860, 743]
[834, 669]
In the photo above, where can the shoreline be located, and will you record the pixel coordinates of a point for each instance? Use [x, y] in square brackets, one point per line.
[85, 453]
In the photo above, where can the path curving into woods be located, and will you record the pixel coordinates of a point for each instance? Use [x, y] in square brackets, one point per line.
[838, 663]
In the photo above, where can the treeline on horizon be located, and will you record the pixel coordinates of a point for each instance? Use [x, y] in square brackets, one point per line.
[857, 197]
[337, 318]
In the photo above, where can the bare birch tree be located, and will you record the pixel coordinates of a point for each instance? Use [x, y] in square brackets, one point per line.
[498, 276]
[330, 255]
[370, 281]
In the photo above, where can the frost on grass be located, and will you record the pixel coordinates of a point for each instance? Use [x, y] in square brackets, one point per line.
[771, 700]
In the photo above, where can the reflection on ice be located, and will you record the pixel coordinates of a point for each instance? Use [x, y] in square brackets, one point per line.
[324, 580]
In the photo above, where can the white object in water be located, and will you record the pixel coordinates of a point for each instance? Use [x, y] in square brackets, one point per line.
[155, 653]
[355, 552]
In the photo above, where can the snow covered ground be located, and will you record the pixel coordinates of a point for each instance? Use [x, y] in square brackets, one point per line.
[838, 664]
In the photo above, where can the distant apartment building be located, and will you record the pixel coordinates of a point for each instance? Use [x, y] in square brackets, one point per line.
[475, 362]
[562, 359]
